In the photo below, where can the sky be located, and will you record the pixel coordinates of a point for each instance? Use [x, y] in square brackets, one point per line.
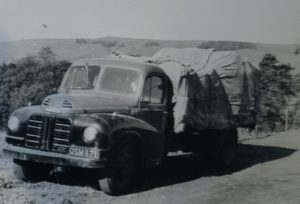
[267, 21]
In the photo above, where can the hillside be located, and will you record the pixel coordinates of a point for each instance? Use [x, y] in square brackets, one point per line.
[73, 49]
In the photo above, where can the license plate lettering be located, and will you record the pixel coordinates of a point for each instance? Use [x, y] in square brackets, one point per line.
[84, 152]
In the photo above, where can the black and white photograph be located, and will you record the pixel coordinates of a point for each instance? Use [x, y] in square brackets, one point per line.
[155, 102]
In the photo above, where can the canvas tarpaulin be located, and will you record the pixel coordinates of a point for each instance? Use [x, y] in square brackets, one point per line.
[212, 89]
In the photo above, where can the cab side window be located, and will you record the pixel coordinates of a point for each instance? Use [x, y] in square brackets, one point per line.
[153, 90]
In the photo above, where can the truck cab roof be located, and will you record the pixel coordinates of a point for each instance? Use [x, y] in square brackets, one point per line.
[145, 68]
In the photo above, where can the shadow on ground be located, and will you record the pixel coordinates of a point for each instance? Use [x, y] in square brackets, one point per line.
[183, 168]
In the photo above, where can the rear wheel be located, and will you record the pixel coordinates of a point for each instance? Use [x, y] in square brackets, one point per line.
[122, 170]
[30, 171]
[222, 150]
[229, 149]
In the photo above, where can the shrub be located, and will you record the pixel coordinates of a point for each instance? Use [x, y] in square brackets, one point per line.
[226, 45]
[29, 80]
[82, 41]
[152, 43]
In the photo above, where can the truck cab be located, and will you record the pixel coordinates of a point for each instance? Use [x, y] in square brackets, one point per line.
[108, 114]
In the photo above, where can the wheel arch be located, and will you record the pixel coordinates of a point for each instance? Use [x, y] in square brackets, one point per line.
[136, 137]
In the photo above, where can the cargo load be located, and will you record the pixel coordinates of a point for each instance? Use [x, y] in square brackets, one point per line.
[212, 89]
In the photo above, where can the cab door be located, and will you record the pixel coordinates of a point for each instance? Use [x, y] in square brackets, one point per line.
[154, 110]
[153, 102]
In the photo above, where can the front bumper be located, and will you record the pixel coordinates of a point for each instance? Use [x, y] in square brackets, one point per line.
[53, 158]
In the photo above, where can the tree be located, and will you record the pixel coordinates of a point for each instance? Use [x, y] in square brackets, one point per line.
[296, 80]
[276, 86]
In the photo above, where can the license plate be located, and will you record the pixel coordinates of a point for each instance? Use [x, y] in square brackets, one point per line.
[84, 152]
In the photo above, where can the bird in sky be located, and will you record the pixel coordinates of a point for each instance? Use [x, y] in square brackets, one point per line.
[44, 25]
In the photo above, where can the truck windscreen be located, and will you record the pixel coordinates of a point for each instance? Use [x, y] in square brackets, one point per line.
[118, 80]
[82, 77]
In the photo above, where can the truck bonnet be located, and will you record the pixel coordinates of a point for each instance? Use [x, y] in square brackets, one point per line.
[86, 103]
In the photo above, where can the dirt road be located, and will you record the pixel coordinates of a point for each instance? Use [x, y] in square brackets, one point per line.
[268, 172]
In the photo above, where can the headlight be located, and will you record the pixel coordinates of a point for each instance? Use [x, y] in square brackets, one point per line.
[13, 124]
[90, 134]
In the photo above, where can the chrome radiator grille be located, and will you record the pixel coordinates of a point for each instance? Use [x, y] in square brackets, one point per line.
[48, 133]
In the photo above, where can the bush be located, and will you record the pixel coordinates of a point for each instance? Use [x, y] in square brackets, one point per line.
[105, 43]
[29, 80]
[152, 43]
[226, 45]
[82, 41]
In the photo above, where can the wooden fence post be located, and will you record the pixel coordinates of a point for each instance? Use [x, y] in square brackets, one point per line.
[286, 118]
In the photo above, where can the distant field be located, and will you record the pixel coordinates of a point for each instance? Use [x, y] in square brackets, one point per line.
[73, 49]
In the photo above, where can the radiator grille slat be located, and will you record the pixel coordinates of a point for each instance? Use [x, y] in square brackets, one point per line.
[48, 134]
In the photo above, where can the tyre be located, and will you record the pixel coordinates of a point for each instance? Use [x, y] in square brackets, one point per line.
[222, 148]
[30, 171]
[229, 149]
[122, 169]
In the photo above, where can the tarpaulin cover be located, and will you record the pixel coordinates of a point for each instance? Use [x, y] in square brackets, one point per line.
[212, 89]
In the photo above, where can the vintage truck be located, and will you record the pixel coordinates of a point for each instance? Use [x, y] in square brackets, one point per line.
[111, 115]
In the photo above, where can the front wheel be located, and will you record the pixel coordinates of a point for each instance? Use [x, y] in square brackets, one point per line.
[122, 170]
[30, 171]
